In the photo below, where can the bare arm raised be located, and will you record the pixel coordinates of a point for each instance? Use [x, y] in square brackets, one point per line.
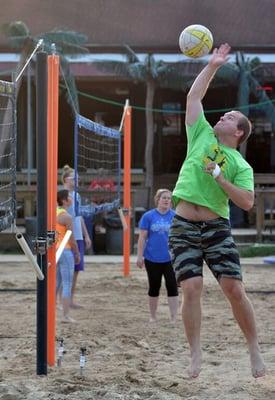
[201, 83]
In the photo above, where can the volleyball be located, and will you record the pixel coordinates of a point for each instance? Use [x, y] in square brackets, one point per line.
[195, 41]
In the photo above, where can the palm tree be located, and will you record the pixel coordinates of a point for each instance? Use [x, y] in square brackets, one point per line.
[249, 84]
[245, 72]
[66, 43]
[153, 74]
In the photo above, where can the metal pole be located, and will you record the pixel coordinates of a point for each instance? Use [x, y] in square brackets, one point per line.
[127, 190]
[29, 127]
[41, 242]
[52, 129]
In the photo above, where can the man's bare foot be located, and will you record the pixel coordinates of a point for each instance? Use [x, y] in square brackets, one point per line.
[195, 365]
[257, 365]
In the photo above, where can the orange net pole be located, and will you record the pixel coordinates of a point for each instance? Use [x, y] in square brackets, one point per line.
[52, 144]
[127, 190]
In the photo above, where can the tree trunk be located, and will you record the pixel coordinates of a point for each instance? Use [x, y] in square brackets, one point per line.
[149, 168]
[243, 99]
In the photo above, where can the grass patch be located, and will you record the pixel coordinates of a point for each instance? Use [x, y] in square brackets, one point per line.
[258, 250]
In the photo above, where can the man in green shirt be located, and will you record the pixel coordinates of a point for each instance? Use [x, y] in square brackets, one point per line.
[212, 173]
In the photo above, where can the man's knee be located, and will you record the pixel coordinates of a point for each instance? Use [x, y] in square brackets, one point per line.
[233, 289]
[192, 288]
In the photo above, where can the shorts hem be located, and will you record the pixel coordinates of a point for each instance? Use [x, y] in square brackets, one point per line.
[239, 278]
[183, 277]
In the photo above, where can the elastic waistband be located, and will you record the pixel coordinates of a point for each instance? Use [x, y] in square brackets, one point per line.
[202, 223]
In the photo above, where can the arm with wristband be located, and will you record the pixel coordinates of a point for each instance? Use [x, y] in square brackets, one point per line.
[241, 197]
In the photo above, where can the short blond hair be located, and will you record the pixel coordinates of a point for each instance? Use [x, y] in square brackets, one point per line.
[158, 194]
[67, 171]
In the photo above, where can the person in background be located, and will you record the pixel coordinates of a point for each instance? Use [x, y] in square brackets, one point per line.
[79, 228]
[79, 212]
[70, 254]
[153, 253]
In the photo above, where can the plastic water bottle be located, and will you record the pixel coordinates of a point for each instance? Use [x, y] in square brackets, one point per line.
[82, 360]
[60, 352]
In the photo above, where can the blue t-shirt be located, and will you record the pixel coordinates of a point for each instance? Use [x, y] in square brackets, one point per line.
[157, 225]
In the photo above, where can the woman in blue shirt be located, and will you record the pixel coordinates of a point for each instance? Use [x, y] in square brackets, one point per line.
[153, 253]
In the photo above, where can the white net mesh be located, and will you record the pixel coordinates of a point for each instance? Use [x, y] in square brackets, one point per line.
[97, 166]
[7, 155]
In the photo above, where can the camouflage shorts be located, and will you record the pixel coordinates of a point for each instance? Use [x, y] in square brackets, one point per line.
[191, 243]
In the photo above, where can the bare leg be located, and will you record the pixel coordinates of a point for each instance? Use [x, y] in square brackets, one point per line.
[58, 298]
[173, 302]
[244, 314]
[66, 306]
[73, 304]
[191, 316]
[153, 305]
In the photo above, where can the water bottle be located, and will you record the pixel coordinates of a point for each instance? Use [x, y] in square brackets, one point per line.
[82, 359]
[60, 352]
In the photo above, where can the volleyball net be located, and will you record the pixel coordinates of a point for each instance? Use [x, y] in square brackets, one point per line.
[97, 155]
[7, 155]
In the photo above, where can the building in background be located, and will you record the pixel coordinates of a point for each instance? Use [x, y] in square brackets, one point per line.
[148, 27]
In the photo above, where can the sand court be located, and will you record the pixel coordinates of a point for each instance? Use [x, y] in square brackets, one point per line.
[127, 358]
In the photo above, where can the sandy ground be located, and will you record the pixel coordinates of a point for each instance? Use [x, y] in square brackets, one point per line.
[126, 357]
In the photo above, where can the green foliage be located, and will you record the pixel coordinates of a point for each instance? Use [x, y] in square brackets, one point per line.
[258, 250]
[138, 71]
[65, 42]
[153, 74]
[246, 73]
[17, 32]
[170, 76]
